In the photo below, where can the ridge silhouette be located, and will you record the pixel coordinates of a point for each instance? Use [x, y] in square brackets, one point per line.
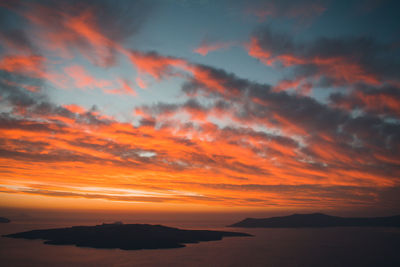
[318, 220]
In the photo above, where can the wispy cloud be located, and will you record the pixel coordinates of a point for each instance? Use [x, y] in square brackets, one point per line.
[206, 47]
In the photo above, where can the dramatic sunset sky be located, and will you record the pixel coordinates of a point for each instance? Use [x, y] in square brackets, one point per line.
[200, 105]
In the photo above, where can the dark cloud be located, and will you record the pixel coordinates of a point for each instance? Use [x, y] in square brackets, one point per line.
[32, 104]
[11, 31]
[95, 28]
[9, 122]
[363, 137]
[383, 100]
[335, 60]
[301, 11]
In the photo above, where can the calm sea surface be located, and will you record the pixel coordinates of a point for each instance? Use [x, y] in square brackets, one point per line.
[269, 247]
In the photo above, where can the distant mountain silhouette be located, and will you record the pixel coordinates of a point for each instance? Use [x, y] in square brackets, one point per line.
[317, 220]
[124, 236]
[4, 220]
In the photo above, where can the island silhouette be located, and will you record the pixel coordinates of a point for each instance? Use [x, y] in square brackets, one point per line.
[317, 220]
[4, 220]
[124, 236]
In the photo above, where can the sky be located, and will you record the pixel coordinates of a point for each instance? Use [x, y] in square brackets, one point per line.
[204, 105]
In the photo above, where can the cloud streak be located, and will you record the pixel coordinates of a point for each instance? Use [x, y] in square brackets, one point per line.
[206, 47]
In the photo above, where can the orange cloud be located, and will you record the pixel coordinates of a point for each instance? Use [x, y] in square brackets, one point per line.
[167, 164]
[74, 108]
[155, 65]
[141, 83]
[300, 84]
[380, 102]
[30, 65]
[63, 31]
[206, 47]
[339, 68]
[82, 79]
[254, 49]
[125, 88]
[206, 77]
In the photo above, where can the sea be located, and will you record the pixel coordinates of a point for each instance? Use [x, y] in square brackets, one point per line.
[295, 247]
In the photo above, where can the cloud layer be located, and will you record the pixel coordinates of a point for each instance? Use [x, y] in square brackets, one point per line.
[223, 140]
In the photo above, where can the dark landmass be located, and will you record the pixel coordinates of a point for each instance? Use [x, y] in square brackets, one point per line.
[4, 220]
[317, 220]
[124, 236]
